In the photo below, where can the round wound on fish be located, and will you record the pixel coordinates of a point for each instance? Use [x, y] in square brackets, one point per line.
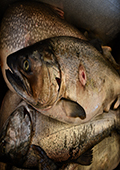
[82, 75]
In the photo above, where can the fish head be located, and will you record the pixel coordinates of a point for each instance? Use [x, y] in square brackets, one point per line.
[35, 75]
[15, 137]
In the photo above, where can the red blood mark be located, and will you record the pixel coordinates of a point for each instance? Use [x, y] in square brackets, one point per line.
[36, 24]
[82, 75]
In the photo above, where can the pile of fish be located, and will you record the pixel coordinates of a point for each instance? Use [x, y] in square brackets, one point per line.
[62, 107]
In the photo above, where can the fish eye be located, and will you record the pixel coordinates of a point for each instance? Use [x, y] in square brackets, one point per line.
[26, 65]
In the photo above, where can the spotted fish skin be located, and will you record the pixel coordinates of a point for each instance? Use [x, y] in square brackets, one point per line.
[25, 23]
[91, 16]
[51, 146]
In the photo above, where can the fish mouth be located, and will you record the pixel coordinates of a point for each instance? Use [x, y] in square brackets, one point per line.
[19, 82]
[15, 80]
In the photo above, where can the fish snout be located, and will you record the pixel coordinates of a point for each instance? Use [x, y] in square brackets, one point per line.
[15, 137]
[11, 60]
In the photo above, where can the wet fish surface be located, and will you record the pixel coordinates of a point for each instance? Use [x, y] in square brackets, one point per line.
[102, 18]
[65, 74]
[9, 103]
[30, 139]
[106, 155]
[25, 23]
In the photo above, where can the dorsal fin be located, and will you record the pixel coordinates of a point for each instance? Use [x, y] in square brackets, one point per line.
[58, 11]
[85, 158]
[107, 54]
[97, 44]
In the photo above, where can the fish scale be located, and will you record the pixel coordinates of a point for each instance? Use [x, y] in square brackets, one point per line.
[96, 80]
[25, 23]
[48, 143]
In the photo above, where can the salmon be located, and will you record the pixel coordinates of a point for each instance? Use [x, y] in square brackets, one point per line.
[101, 19]
[66, 74]
[28, 135]
[25, 23]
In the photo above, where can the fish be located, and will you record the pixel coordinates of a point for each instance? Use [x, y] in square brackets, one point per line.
[102, 154]
[103, 157]
[9, 103]
[101, 19]
[66, 74]
[30, 140]
[25, 23]
[3, 87]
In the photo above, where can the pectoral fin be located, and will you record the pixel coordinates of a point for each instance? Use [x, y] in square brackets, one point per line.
[117, 103]
[73, 109]
[45, 163]
[86, 158]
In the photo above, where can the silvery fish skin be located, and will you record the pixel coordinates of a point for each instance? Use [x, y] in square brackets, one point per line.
[25, 23]
[65, 74]
[30, 140]
[106, 156]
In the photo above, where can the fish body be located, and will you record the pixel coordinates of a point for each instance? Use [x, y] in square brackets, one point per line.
[35, 139]
[9, 103]
[100, 18]
[66, 74]
[25, 23]
[106, 155]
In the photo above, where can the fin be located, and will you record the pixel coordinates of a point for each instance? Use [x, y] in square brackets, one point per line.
[73, 109]
[58, 11]
[109, 105]
[97, 44]
[86, 34]
[117, 103]
[85, 158]
[107, 54]
[45, 163]
[107, 108]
